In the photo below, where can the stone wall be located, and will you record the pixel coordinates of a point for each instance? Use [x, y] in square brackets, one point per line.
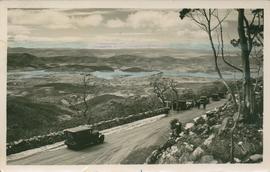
[38, 141]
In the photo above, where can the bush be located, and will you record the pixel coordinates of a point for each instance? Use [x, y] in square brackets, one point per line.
[176, 127]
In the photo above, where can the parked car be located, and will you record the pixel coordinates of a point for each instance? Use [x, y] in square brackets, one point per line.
[215, 97]
[190, 104]
[221, 95]
[82, 136]
[204, 98]
[182, 105]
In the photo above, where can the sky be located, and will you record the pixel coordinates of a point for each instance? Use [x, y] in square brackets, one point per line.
[109, 29]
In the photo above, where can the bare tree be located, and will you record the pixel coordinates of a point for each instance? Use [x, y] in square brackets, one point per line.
[160, 86]
[209, 21]
[79, 102]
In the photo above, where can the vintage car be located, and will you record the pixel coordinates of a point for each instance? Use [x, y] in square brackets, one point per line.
[180, 105]
[190, 104]
[222, 95]
[215, 97]
[204, 98]
[82, 136]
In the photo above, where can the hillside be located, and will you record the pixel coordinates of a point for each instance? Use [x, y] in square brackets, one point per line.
[17, 60]
[26, 118]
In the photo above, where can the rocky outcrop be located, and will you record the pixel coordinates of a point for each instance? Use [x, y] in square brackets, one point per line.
[207, 139]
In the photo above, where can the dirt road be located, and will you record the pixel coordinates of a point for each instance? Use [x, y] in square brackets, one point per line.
[117, 145]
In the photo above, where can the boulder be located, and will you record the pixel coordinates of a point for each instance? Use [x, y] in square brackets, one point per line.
[197, 153]
[174, 150]
[256, 158]
[209, 140]
[204, 117]
[196, 141]
[199, 120]
[215, 128]
[185, 157]
[153, 157]
[210, 114]
[208, 159]
[236, 160]
[172, 160]
[212, 121]
[189, 125]
[200, 129]
[188, 147]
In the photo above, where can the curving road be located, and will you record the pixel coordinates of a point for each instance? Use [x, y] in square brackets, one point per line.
[117, 146]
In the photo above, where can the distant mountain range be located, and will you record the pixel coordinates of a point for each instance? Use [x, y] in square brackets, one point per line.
[108, 60]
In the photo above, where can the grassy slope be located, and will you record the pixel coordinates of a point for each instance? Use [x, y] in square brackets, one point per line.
[26, 118]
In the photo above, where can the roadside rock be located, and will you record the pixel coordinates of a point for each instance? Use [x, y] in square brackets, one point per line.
[153, 157]
[185, 157]
[215, 128]
[210, 114]
[189, 126]
[172, 160]
[208, 159]
[212, 121]
[256, 158]
[189, 147]
[209, 140]
[236, 160]
[197, 153]
[199, 120]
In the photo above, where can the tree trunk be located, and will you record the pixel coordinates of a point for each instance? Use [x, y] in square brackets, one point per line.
[248, 95]
[218, 70]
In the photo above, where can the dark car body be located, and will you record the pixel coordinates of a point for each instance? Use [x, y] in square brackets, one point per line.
[215, 97]
[204, 99]
[82, 136]
[180, 105]
[222, 95]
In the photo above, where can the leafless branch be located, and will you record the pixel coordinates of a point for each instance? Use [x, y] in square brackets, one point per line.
[222, 43]
[199, 23]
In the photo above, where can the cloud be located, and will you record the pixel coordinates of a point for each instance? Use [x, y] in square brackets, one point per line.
[45, 18]
[15, 29]
[28, 38]
[153, 19]
[91, 20]
[89, 27]
[51, 19]
[146, 19]
[115, 23]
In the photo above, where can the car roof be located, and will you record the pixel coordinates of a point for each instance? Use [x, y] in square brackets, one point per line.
[79, 128]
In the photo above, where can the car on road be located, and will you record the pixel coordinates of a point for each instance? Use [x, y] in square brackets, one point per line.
[222, 95]
[204, 99]
[215, 97]
[82, 136]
